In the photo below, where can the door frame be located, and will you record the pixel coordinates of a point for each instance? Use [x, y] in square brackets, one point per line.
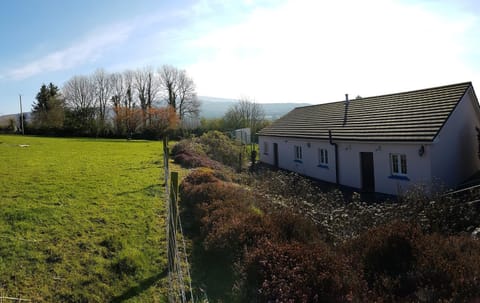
[275, 154]
[367, 171]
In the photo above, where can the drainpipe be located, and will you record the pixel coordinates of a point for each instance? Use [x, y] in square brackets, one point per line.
[336, 155]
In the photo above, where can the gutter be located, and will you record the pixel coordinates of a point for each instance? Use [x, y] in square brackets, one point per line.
[336, 156]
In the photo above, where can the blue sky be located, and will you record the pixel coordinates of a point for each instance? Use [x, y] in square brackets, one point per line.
[311, 51]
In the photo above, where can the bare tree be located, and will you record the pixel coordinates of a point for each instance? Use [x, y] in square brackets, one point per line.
[178, 89]
[117, 99]
[103, 89]
[147, 89]
[188, 104]
[245, 113]
[128, 77]
[79, 98]
[168, 84]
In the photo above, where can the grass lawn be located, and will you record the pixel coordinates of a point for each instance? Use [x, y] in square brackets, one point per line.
[82, 220]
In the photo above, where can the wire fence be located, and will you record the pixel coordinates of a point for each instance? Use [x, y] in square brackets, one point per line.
[179, 278]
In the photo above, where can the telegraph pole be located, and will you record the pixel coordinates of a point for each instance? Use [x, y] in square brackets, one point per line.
[21, 114]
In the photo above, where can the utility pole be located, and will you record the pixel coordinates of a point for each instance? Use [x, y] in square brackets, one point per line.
[21, 114]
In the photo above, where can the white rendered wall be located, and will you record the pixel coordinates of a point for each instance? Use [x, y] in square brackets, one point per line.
[309, 165]
[455, 149]
[266, 156]
[418, 167]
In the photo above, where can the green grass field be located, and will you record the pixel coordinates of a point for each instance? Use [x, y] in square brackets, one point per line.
[81, 220]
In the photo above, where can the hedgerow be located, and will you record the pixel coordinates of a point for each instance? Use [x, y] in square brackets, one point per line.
[401, 263]
[280, 239]
[213, 149]
[298, 272]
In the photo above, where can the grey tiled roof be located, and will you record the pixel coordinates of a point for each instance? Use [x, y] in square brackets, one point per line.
[409, 116]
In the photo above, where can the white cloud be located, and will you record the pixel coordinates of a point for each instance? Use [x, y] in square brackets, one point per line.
[85, 50]
[315, 51]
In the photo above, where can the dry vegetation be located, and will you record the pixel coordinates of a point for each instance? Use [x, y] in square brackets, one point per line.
[276, 237]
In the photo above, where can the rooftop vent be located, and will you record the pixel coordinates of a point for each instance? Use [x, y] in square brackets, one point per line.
[346, 110]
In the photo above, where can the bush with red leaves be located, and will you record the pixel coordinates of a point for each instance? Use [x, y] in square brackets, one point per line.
[213, 149]
[295, 272]
[448, 268]
[230, 227]
[279, 256]
[287, 226]
[400, 263]
[190, 154]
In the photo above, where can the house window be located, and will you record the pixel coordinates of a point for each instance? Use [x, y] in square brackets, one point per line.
[398, 164]
[298, 153]
[265, 148]
[322, 157]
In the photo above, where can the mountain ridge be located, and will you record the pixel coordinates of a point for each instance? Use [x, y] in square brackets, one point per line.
[215, 107]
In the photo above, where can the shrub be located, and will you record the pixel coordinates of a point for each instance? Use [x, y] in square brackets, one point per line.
[400, 263]
[189, 153]
[212, 150]
[386, 256]
[222, 149]
[199, 189]
[294, 272]
[288, 226]
[231, 226]
[449, 268]
[203, 186]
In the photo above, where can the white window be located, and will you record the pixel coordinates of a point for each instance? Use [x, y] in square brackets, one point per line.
[298, 152]
[398, 163]
[265, 148]
[322, 157]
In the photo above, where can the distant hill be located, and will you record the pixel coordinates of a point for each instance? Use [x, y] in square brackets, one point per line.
[217, 107]
[5, 119]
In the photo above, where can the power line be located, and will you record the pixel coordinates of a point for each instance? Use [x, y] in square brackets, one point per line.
[21, 114]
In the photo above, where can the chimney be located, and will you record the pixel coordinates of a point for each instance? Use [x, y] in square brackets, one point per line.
[346, 110]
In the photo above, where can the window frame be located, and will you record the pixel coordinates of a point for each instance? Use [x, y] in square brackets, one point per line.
[298, 153]
[398, 164]
[265, 148]
[323, 157]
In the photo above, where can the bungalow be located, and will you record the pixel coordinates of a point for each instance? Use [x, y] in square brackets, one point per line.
[381, 144]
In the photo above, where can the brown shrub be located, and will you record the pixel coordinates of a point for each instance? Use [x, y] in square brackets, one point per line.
[400, 263]
[288, 226]
[386, 256]
[221, 148]
[204, 185]
[449, 268]
[279, 255]
[231, 226]
[191, 154]
[294, 272]
[213, 149]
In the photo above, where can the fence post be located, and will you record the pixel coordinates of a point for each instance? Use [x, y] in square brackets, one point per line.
[173, 196]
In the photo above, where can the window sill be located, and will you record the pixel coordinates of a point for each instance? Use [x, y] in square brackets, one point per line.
[266, 154]
[298, 161]
[405, 178]
[322, 166]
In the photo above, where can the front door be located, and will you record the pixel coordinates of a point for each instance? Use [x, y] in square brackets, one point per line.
[368, 175]
[275, 154]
